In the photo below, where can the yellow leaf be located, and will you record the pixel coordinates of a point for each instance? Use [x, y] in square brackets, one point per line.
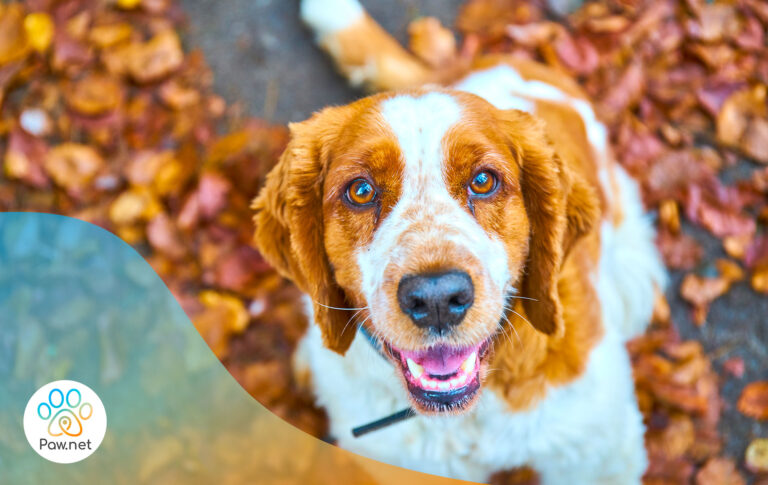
[128, 4]
[39, 28]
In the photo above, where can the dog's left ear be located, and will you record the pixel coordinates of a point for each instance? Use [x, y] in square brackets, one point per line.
[561, 208]
[289, 224]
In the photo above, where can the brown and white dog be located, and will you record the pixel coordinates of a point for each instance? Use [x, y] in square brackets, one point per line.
[481, 232]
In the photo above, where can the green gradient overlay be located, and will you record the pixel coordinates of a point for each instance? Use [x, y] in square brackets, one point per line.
[78, 303]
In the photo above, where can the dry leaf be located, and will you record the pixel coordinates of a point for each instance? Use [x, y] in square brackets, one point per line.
[72, 165]
[719, 471]
[94, 95]
[754, 400]
[156, 58]
[756, 456]
[39, 28]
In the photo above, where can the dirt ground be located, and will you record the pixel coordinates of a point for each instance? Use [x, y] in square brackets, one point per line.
[263, 57]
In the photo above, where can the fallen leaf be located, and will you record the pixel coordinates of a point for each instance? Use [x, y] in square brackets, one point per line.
[679, 251]
[730, 270]
[157, 58]
[754, 400]
[94, 94]
[756, 456]
[719, 471]
[39, 29]
[759, 279]
[735, 367]
[72, 165]
[14, 44]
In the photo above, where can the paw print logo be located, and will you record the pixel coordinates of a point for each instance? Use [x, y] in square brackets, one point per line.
[66, 411]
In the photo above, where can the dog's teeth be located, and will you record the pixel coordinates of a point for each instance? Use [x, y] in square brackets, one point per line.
[424, 382]
[454, 382]
[462, 379]
[469, 365]
[416, 369]
[443, 385]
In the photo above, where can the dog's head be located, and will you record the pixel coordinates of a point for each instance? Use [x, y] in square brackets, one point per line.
[425, 214]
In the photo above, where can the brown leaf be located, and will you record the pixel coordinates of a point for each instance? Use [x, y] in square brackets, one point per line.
[156, 58]
[670, 215]
[754, 141]
[719, 471]
[73, 165]
[679, 251]
[736, 114]
[94, 94]
[165, 237]
[14, 44]
[24, 158]
[722, 222]
[759, 280]
[714, 22]
[577, 54]
[730, 270]
[625, 92]
[754, 400]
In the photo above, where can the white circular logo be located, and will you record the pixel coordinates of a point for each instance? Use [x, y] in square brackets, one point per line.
[65, 421]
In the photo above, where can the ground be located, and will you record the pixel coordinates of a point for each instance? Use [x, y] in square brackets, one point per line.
[263, 57]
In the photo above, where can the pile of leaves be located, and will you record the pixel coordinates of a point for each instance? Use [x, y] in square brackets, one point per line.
[681, 85]
[105, 117]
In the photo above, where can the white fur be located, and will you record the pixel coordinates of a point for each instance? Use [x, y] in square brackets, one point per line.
[326, 17]
[630, 266]
[419, 124]
[504, 87]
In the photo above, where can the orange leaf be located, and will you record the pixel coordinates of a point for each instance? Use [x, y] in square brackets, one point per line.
[719, 471]
[754, 400]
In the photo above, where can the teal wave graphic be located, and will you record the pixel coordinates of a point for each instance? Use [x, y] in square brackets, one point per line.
[78, 303]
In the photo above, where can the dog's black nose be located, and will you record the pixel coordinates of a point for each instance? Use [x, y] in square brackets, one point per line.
[436, 301]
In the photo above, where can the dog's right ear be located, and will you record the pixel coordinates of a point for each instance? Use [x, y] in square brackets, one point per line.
[289, 223]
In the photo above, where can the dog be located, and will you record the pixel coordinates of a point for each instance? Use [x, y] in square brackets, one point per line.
[469, 250]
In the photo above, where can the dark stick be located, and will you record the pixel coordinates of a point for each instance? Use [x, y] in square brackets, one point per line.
[383, 422]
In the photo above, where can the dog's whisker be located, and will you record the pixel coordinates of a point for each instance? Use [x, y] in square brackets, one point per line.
[339, 308]
[353, 317]
[520, 342]
[516, 334]
[506, 334]
[526, 320]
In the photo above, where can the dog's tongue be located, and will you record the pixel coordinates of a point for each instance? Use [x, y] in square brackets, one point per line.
[441, 360]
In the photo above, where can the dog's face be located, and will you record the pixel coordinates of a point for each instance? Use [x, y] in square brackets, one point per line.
[427, 214]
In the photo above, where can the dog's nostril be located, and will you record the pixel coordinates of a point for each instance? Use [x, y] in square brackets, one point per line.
[436, 301]
[418, 305]
[457, 302]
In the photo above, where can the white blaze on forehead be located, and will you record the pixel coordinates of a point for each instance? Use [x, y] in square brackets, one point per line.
[420, 125]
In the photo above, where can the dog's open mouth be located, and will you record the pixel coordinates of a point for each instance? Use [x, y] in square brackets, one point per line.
[442, 377]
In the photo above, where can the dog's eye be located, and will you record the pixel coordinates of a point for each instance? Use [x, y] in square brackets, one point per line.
[361, 192]
[484, 183]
